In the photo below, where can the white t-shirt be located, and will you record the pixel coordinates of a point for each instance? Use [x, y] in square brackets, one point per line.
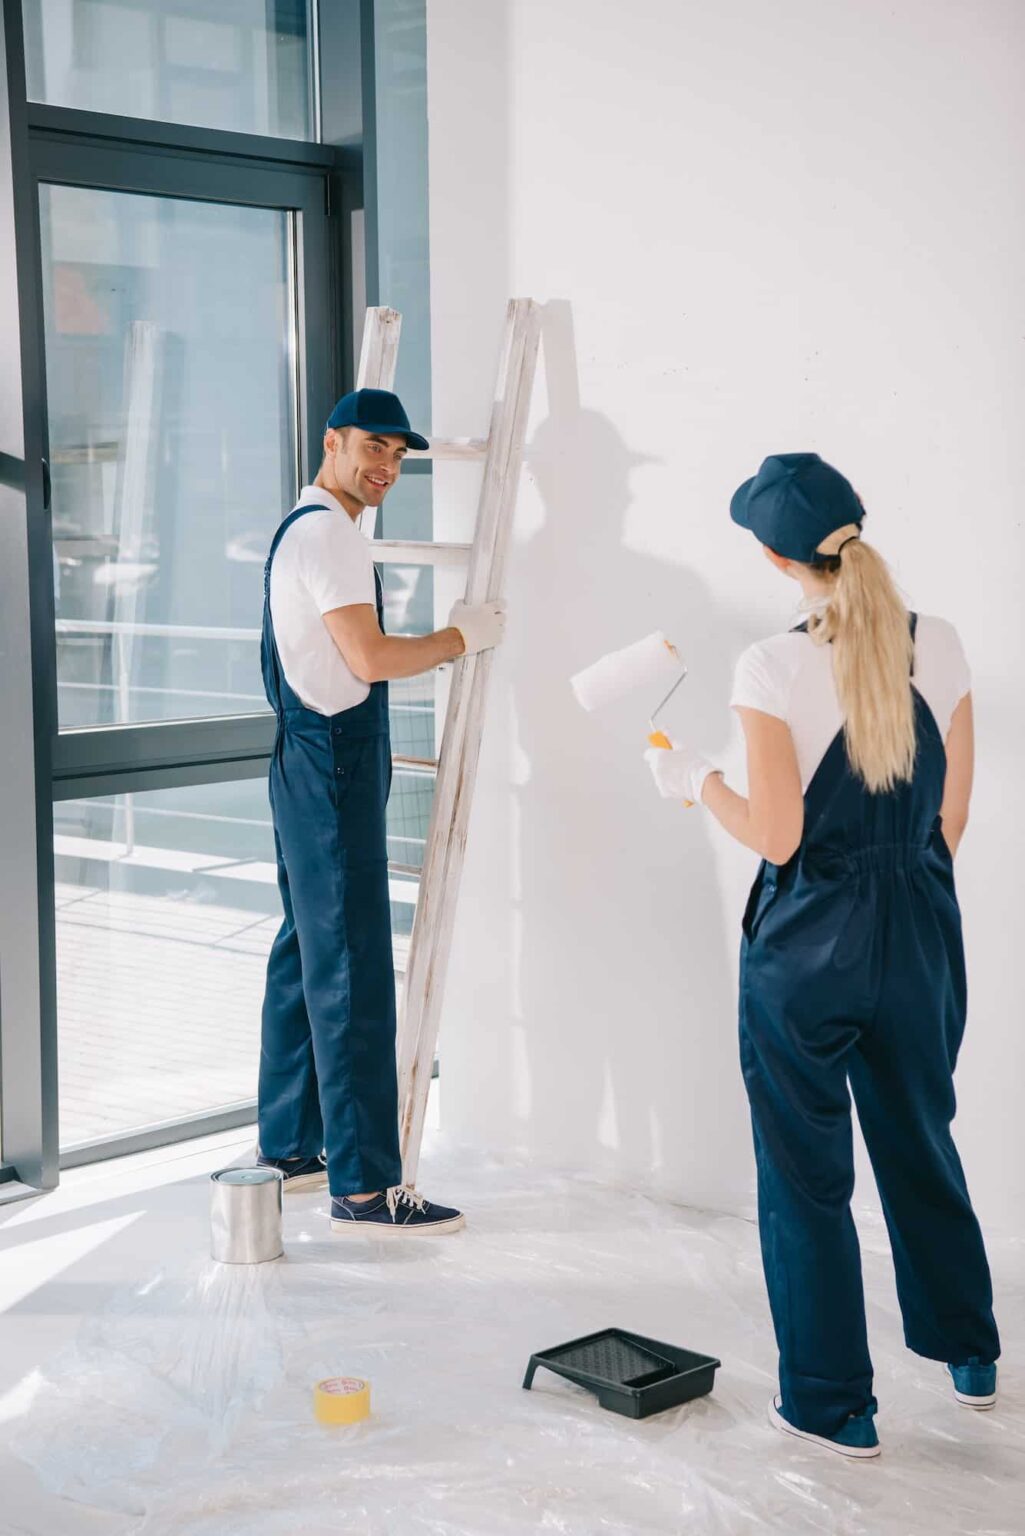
[322, 562]
[791, 677]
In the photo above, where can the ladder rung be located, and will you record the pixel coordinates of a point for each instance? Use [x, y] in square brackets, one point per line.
[412, 870]
[452, 448]
[413, 552]
[418, 764]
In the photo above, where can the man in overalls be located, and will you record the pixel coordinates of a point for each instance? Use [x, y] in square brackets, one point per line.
[328, 1101]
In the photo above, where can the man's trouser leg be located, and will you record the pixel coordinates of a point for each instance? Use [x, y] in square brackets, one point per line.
[329, 793]
[290, 1124]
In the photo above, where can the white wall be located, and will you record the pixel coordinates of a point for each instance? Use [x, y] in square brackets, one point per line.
[756, 228]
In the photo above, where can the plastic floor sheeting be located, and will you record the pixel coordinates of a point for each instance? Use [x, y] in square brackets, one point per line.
[183, 1407]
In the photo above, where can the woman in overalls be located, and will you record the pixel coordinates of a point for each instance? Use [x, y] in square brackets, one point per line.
[858, 727]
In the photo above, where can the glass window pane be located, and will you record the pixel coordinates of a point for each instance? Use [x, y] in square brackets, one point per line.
[409, 609]
[400, 61]
[242, 65]
[408, 511]
[409, 811]
[167, 905]
[170, 348]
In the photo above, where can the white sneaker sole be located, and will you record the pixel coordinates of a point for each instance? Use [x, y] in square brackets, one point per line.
[396, 1229]
[980, 1404]
[854, 1452]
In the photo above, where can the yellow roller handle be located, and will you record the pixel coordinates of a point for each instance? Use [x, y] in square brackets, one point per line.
[660, 739]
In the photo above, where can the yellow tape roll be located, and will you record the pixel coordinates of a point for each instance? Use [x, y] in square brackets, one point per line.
[341, 1400]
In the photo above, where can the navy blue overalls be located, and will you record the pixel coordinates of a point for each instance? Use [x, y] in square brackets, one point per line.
[327, 1059]
[852, 970]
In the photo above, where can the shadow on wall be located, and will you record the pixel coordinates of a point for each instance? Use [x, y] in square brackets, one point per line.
[623, 957]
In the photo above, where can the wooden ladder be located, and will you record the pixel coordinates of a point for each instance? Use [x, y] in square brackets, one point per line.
[502, 455]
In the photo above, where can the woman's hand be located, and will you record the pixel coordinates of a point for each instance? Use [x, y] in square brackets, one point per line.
[678, 772]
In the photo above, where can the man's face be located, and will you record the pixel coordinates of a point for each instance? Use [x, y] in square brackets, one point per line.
[366, 464]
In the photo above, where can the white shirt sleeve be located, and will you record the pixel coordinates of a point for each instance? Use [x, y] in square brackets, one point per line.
[956, 662]
[334, 562]
[942, 674]
[760, 682]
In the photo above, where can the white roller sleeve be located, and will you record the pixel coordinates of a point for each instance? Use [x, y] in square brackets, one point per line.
[646, 664]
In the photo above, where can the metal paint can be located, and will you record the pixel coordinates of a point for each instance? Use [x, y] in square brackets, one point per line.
[245, 1215]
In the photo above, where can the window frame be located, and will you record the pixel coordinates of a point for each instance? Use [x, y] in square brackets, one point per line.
[319, 186]
[67, 152]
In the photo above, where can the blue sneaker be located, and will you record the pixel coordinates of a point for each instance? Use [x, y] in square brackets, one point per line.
[298, 1172]
[975, 1385]
[398, 1211]
[857, 1438]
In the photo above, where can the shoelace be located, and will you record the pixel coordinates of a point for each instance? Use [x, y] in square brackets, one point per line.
[403, 1194]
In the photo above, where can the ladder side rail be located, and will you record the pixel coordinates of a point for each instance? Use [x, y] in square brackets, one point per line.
[379, 353]
[434, 922]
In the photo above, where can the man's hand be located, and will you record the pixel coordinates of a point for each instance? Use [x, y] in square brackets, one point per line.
[482, 625]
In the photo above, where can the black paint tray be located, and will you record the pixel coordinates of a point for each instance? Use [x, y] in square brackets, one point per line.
[629, 1374]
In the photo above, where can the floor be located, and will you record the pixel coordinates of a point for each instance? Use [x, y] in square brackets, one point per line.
[144, 1389]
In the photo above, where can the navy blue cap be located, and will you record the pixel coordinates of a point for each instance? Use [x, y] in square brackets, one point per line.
[794, 502]
[375, 410]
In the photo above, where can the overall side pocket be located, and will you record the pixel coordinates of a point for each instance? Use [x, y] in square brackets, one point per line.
[758, 902]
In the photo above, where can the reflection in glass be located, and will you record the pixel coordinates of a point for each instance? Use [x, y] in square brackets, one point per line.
[172, 426]
[242, 65]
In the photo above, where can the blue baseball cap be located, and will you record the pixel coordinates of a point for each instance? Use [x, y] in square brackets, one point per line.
[375, 410]
[794, 502]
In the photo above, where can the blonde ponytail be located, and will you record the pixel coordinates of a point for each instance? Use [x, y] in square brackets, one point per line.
[868, 625]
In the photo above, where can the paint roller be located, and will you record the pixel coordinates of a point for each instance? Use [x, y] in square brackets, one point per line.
[647, 664]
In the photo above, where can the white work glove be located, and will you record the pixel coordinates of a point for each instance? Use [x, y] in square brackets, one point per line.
[481, 625]
[678, 772]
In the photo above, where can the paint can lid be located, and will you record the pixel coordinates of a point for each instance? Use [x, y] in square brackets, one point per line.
[246, 1176]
